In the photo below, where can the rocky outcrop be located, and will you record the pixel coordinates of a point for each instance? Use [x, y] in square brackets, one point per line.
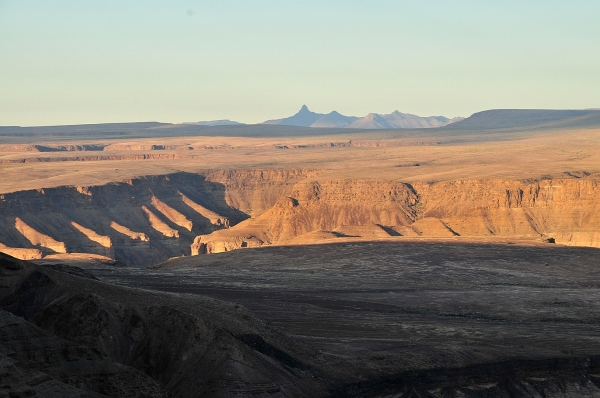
[23, 254]
[255, 191]
[565, 211]
[37, 238]
[150, 219]
[326, 206]
[192, 345]
[205, 244]
[139, 222]
[93, 236]
[318, 206]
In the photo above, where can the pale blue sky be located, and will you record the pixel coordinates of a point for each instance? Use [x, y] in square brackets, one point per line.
[67, 62]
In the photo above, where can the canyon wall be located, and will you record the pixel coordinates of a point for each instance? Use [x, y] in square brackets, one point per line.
[150, 219]
[139, 222]
[319, 206]
[565, 211]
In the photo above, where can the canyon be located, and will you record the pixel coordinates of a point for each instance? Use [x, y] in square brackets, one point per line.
[160, 260]
[147, 220]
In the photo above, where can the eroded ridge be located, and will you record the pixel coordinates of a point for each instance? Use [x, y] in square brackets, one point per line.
[37, 238]
[146, 220]
[139, 221]
[564, 211]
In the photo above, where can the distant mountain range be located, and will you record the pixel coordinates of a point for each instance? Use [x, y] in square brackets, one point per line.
[306, 118]
[222, 122]
[394, 120]
[485, 120]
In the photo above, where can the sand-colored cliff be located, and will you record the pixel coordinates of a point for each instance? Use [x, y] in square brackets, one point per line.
[255, 191]
[138, 221]
[318, 206]
[566, 211]
[38, 238]
[150, 219]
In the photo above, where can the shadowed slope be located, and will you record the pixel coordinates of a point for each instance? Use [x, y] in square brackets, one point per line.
[193, 345]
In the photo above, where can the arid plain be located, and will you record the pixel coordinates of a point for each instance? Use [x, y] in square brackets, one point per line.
[454, 261]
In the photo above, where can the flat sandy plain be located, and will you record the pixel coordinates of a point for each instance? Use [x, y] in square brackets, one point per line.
[407, 156]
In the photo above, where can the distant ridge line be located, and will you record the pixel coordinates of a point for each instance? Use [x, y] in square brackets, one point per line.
[394, 120]
[521, 118]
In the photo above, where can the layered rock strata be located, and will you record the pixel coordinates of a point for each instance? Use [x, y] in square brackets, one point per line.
[139, 222]
[150, 219]
[565, 211]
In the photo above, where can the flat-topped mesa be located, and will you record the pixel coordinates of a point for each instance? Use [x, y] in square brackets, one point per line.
[50, 148]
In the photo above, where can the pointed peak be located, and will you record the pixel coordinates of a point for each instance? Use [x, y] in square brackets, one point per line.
[304, 109]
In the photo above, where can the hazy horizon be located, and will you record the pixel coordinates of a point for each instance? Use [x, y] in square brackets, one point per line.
[68, 62]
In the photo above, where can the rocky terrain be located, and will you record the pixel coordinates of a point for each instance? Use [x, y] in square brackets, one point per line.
[404, 263]
[147, 220]
[352, 319]
[76, 336]
[139, 222]
[564, 211]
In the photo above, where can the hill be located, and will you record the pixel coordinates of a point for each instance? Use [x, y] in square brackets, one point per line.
[528, 118]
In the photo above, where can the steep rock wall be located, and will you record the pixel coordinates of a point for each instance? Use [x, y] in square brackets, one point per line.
[315, 206]
[150, 219]
[139, 222]
[565, 210]
[254, 191]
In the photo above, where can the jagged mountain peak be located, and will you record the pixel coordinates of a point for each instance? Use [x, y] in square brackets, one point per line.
[395, 120]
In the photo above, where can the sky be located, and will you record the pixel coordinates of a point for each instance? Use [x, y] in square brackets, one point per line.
[72, 62]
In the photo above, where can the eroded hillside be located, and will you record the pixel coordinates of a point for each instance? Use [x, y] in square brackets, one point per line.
[150, 219]
[565, 211]
[139, 222]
